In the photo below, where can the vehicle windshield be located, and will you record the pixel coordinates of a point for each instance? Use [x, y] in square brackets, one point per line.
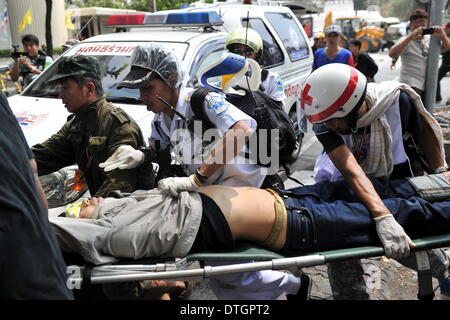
[115, 63]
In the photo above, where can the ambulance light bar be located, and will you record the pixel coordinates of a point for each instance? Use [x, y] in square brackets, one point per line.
[182, 19]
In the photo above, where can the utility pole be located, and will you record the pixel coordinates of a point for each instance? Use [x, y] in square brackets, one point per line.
[152, 4]
[436, 14]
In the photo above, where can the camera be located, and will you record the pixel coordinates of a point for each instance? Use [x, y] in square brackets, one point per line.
[16, 54]
[427, 31]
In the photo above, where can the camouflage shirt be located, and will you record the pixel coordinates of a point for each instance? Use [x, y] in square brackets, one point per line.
[88, 138]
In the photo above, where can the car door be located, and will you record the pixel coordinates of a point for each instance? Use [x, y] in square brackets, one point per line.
[296, 60]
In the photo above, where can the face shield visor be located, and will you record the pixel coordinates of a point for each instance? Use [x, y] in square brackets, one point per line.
[252, 78]
[304, 119]
[231, 70]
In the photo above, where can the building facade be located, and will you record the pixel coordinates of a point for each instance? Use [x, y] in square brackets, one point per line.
[19, 11]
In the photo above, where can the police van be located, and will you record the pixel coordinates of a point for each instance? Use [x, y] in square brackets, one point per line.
[197, 38]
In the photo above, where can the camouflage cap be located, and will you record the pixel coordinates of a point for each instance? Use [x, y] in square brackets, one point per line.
[78, 65]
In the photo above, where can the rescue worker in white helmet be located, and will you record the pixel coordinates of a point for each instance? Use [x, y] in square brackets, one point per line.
[366, 130]
[248, 43]
[156, 73]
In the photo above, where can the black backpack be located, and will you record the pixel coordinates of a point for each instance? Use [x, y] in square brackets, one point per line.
[267, 113]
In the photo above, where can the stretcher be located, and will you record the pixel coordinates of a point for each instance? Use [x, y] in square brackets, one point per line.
[263, 259]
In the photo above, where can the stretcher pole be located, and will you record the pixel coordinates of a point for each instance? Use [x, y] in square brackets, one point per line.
[205, 272]
[124, 273]
[367, 252]
[424, 279]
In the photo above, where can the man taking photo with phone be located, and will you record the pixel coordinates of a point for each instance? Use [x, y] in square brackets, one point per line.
[413, 49]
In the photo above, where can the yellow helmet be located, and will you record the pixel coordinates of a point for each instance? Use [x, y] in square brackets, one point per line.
[247, 37]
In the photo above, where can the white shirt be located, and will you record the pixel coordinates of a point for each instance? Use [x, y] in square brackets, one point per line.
[189, 148]
[274, 88]
[414, 62]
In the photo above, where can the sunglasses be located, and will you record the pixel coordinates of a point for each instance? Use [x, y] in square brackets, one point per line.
[246, 52]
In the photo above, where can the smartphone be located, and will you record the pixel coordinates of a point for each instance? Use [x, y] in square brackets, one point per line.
[427, 31]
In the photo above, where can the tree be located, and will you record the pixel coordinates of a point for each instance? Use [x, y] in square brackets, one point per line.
[48, 27]
[140, 5]
[360, 4]
[398, 8]
[118, 4]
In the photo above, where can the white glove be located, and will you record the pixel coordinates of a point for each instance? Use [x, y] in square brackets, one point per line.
[395, 241]
[174, 185]
[125, 157]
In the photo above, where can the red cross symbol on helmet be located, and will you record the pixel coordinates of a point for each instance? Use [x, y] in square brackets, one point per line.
[332, 91]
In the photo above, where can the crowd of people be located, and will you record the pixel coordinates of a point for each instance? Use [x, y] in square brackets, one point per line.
[380, 177]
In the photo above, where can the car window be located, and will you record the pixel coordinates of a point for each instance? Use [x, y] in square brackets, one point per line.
[115, 60]
[290, 34]
[272, 54]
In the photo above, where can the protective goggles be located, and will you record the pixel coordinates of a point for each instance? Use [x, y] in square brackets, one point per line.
[73, 209]
[242, 51]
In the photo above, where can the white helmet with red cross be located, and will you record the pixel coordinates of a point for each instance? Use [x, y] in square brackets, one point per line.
[332, 91]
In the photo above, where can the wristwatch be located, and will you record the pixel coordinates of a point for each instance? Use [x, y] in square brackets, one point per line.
[200, 176]
[148, 152]
[440, 170]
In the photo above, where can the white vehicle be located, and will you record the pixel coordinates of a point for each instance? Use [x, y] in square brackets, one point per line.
[41, 113]
[286, 50]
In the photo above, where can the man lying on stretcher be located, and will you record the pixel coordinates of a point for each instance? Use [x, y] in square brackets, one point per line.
[323, 216]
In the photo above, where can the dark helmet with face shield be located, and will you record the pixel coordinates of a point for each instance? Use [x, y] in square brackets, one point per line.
[149, 61]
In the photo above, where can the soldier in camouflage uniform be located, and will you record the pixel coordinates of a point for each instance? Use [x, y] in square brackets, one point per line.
[92, 133]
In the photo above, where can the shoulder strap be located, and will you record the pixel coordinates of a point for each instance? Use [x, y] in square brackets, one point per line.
[41, 60]
[267, 99]
[197, 100]
[264, 74]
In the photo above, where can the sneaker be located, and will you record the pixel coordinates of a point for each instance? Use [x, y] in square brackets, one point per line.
[304, 291]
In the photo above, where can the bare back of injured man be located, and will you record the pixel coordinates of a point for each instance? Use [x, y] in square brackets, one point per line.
[247, 220]
[292, 222]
